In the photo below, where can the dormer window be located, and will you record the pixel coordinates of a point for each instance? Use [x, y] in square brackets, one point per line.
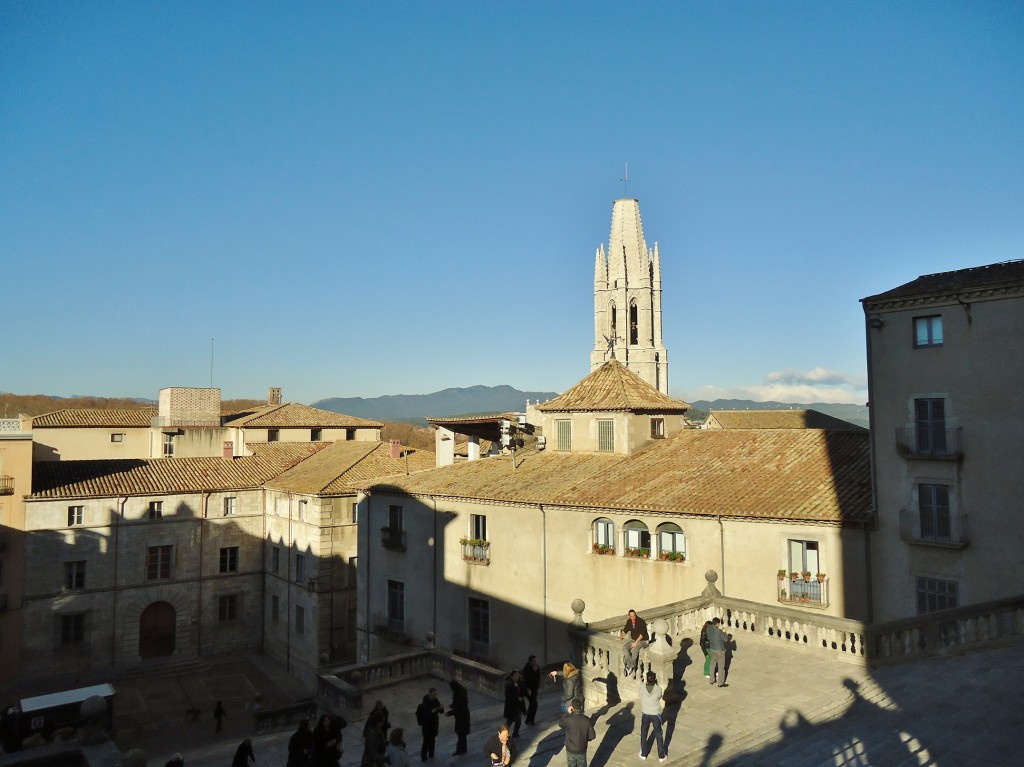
[657, 428]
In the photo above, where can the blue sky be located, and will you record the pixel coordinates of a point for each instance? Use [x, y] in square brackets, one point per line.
[364, 199]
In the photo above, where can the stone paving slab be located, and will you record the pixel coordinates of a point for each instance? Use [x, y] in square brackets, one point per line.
[782, 707]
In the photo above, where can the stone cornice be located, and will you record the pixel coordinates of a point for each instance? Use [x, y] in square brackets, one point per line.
[946, 297]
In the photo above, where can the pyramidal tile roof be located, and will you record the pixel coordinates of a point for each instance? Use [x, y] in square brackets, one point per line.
[343, 467]
[103, 478]
[783, 474]
[294, 415]
[778, 419]
[85, 418]
[613, 387]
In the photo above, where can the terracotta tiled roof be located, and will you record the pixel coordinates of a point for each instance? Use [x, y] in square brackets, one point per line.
[343, 467]
[991, 275]
[614, 387]
[778, 419]
[788, 474]
[84, 418]
[78, 479]
[294, 415]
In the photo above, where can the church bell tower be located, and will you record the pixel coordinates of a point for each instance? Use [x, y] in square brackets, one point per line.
[627, 300]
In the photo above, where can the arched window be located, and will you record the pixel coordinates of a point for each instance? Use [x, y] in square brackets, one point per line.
[634, 329]
[671, 542]
[604, 536]
[614, 321]
[638, 539]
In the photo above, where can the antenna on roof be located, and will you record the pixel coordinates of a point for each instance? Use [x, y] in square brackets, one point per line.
[211, 363]
[625, 183]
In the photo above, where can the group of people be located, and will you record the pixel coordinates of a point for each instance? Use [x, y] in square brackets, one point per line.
[321, 746]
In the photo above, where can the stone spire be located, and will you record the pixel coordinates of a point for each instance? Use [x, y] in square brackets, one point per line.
[627, 300]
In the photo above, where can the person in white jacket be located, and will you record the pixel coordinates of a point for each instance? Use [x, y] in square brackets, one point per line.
[650, 716]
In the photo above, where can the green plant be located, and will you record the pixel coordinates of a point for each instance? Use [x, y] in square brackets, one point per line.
[807, 575]
[820, 577]
[782, 594]
[474, 542]
[603, 548]
[782, 575]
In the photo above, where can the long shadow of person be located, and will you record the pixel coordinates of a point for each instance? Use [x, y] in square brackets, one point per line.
[730, 649]
[710, 749]
[546, 749]
[620, 724]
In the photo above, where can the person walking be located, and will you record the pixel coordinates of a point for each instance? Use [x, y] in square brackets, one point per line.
[716, 646]
[650, 717]
[500, 748]
[460, 710]
[300, 745]
[579, 731]
[244, 757]
[219, 713]
[531, 680]
[374, 744]
[427, 717]
[704, 649]
[396, 755]
[515, 701]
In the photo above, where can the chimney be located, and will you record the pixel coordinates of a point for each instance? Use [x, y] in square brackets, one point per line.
[396, 448]
[229, 450]
[274, 395]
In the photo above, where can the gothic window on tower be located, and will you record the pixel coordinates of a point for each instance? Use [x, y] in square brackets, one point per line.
[634, 331]
[614, 326]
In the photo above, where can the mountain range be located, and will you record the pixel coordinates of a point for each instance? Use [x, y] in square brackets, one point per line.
[471, 400]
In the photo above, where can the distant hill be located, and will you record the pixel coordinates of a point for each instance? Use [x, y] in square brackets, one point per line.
[447, 402]
[855, 414]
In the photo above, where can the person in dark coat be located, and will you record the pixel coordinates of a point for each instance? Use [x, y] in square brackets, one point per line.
[300, 744]
[381, 709]
[326, 750]
[374, 743]
[460, 710]
[515, 701]
[244, 757]
[579, 731]
[427, 717]
[219, 713]
[500, 748]
[531, 680]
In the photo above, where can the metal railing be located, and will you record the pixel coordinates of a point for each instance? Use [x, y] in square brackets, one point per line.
[392, 538]
[812, 592]
[480, 553]
[933, 529]
[6, 485]
[934, 442]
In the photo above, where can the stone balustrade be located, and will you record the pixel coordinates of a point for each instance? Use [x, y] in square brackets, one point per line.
[947, 631]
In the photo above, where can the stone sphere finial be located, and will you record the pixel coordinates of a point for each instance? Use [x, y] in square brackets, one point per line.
[711, 576]
[578, 606]
[660, 626]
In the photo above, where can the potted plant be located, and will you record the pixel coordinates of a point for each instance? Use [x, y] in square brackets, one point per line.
[795, 575]
[782, 576]
[782, 595]
[820, 577]
[807, 575]
[603, 548]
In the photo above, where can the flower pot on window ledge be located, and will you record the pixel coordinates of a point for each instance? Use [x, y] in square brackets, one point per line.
[782, 575]
[795, 576]
[807, 576]
[671, 556]
[820, 577]
[603, 548]
[638, 553]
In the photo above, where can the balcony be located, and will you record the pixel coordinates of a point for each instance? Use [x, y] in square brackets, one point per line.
[804, 591]
[6, 485]
[390, 627]
[476, 550]
[929, 442]
[392, 538]
[942, 530]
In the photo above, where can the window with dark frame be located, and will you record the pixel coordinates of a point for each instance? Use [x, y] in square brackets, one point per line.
[74, 575]
[933, 508]
[479, 622]
[930, 425]
[657, 428]
[159, 562]
[117, 437]
[478, 527]
[300, 568]
[72, 628]
[935, 594]
[927, 331]
[156, 510]
[229, 559]
[168, 445]
[229, 506]
[227, 608]
[76, 515]
[273, 435]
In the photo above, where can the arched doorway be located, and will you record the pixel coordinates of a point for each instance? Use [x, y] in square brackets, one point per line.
[156, 631]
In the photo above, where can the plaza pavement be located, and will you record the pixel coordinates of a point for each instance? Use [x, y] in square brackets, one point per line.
[782, 706]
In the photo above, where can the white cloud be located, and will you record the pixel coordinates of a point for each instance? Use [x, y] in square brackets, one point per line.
[817, 385]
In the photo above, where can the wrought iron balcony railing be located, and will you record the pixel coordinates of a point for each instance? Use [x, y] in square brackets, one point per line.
[392, 538]
[6, 485]
[933, 442]
[802, 592]
[931, 529]
[476, 551]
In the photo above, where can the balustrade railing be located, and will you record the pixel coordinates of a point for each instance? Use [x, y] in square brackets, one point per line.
[947, 631]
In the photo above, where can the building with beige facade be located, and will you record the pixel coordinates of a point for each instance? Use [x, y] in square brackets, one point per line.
[188, 423]
[15, 484]
[623, 508]
[946, 385]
